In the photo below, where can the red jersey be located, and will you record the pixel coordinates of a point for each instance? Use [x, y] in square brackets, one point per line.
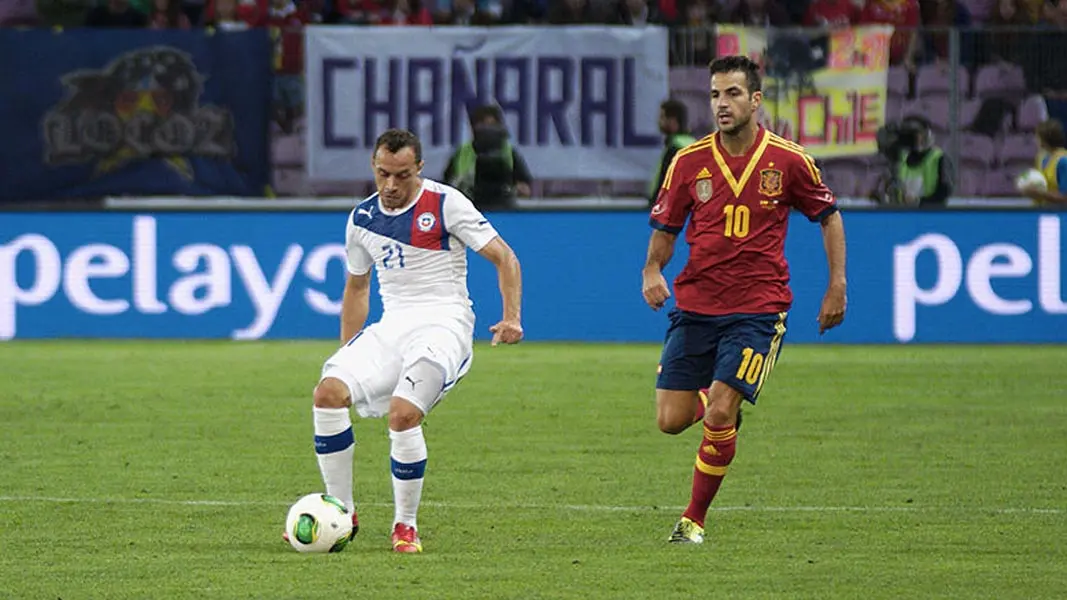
[904, 14]
[831, 13]
[738, 211]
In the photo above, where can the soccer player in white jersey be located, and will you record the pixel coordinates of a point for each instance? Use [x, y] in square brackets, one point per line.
[415, 232]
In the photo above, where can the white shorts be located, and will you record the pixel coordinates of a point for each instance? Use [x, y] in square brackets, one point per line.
[371, 364]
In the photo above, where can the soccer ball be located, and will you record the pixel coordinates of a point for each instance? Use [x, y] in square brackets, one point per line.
[319, 523]
[1031, 178]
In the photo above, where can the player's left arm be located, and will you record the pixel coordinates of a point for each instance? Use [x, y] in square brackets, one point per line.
[816, 201]
[472, 228]
[509, 276]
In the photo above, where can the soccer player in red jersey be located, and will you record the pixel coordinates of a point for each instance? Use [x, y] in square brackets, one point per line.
[736, 187]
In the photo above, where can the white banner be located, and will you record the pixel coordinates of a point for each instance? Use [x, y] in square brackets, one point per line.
[580, 102]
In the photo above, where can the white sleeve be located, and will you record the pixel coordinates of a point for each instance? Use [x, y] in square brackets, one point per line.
[358, 260]
[466, 222]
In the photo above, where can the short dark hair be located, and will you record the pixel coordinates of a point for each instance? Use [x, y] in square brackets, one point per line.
[395, 140]
[737, 62]
[675, 109]
[1050, 132]
[480, 113]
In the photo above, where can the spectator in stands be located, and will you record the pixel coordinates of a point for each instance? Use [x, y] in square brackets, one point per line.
[635, 13]
[902, 14]
[759, 13]
[408, 12]
[526, 12]
[287, 21]
[925, 173]
[832, 13]
[574, 12]
[226, 15]
[466, 13]
[1052, 162]
[488, 169]
[940, 15]
[674, 125]
[998, 44]
[115, 13]
[168, 14]
[699, 16]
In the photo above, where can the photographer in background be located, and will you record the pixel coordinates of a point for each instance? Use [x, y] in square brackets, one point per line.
[488, 169]
[924, 172]
[674, 125]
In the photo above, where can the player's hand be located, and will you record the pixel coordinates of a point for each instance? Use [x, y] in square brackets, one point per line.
[832, 312]
[507, 332]
[654, 288]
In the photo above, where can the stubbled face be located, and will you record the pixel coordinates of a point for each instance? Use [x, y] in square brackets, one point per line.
[731, 102]
[396, 175]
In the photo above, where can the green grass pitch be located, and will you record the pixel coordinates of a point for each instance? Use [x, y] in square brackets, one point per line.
[138, 470]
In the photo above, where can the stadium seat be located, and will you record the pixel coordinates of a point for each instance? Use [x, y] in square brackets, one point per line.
[287, 151]
[1017, 149]
[934, 108]
[1000, 182]
[1001, 80]
[1032, 112]
[936, 79]
[843, 177]
[897, 82]
[977, 151]
[894, 105]
[970, 181]
[968, 111]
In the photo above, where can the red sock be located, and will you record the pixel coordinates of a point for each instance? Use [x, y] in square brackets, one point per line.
[716, 451]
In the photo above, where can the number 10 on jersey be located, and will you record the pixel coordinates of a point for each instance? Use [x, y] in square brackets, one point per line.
[737, 216]
[394, 256]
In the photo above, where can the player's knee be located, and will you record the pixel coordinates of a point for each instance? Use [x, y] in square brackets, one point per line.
[403, 415]
[332, 393]
[674, 411]
[719, 415]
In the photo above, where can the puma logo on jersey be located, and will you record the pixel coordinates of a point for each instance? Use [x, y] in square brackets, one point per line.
[413, 382]
[364, 211]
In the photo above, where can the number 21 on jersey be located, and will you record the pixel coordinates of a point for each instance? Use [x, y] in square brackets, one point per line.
[737, 218]
[394, 256]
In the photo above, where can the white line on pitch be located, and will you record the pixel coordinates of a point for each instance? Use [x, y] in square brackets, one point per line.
[571, 507]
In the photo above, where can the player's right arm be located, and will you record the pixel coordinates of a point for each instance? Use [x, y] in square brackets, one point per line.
[669, 213]
[355, 303]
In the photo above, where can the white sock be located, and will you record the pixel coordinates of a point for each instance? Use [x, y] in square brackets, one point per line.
[335, 447]
[408, 460]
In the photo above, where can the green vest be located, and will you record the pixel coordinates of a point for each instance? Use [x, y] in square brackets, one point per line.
[675, 142]
[919, 181]
[464, 163]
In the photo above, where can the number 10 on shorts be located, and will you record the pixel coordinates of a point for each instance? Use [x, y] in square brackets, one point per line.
[751, 365]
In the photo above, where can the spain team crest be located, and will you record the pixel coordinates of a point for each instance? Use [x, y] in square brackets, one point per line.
[703, 190]
[770, 182]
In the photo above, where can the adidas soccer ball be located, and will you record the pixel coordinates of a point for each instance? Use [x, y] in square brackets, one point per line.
[1031, 178]
[318, 523]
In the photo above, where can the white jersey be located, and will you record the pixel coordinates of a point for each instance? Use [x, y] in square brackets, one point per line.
[420, 252]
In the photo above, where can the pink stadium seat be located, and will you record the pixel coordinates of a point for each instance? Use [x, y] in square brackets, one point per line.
[1032, 112]
[934, 108]
[1002, 80]
[936, 79]
[1017, 149]
[287, 151]
[968, 111]
[897, 82]
[1000, 182]
[977, 151]
[893, 107]
[843, 178]
[290, 182]
[970, 181]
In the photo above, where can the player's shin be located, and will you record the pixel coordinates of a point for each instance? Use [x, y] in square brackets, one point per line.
[335, 447]
[408, 460]
[716, 451]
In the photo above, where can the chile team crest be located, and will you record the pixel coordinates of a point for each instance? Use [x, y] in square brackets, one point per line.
[770, 182]
[425, 221]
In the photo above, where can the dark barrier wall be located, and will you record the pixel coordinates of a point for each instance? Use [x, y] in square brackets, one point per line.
[913, 277]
